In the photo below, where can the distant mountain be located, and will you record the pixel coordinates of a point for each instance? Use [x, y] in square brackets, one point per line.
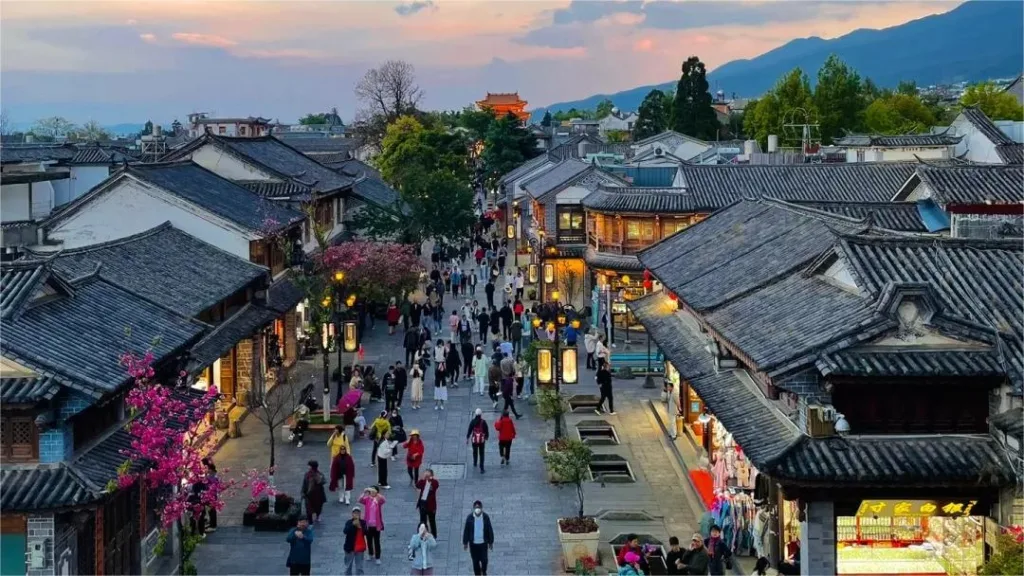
[973, 42]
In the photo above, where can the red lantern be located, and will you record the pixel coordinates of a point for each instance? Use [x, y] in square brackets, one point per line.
[647, 276]
[672, 296]
[648, 284]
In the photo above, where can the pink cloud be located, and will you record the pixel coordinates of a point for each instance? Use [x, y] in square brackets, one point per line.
[197, 39]
[643, 45]
[147, 37]
[281, 53]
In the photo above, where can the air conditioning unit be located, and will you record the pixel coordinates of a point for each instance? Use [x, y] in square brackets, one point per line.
[819, 425]
[659, 152]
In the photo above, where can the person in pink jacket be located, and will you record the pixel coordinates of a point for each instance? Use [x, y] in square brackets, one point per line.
[373, 513]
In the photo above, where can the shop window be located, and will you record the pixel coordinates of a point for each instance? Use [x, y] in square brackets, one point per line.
[20, 438]
[570, 224]
[639, 230]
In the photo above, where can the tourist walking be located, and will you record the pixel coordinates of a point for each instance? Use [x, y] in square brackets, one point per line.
[478, 537]
[440, 356]
[489, 291]
[380, 430]
[300, 548]
[426, 502]
[521, 368]
[414, 455]
[466, 347]
[384, 453]
[471, 282]
[416, 373]
[338, 440]
[601, 351]
[421, 552]
[506, 429]
[392, 315]
[477, 435]
[719, 555]
[355, 542]
[401, 382]
[373, 503]
[493, 381]
[453, 326]
[506, 320]
[590, 345]
[483, 319]
[390, 389]
[343, 475]
[508, 391]
[440, 387]
[481, 364]
[604, 383]
[313, 491]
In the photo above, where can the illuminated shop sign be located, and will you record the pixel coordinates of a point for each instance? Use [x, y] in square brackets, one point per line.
[952, 508]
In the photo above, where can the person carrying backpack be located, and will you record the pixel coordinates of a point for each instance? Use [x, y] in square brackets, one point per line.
[477, 435]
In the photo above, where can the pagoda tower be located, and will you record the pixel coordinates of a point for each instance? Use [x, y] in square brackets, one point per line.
[505, 103]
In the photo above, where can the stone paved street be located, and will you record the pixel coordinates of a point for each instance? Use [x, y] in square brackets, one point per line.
[522, 505]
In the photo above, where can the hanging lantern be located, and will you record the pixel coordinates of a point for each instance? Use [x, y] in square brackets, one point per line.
[549, 274]
[647, 275]
[350, 333]
[624, 279]
[545, 369]
[672, 296]
[570, 375]
[648, 284]
[339, 276]
[531, 274]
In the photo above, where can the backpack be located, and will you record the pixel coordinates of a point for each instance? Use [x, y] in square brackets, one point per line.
[479, 434]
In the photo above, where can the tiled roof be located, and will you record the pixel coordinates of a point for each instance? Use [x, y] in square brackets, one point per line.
[881, 140]
[42, 487]
[501, 98]
[554, 177]
[1011, 153]
[985, 125]
[609, 261]
[524, 168]
[82, 337]
[283, 159]
[570, 147]
[900, 216]
[936, 461]
[224, 337]
[284, 294]
[759, 428]
[278, 190]
[375, 191]
[218, 195]
[19, 282]
[1010, 421]
[909, 363]
[655, 200]
[316, 146]
[666, 134]
[333, 160]
[858, 182]
[28, 389]
[99, 155]
[167, 266]
[619, 148]
[739, 249]
[977, 280]
[36, 152]
[974, 184]
[355, 168]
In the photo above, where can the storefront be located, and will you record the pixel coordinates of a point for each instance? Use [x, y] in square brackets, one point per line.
[921, 537]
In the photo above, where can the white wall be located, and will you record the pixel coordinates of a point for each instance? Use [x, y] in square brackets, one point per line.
[42, 199]
[130, 208]
[85, 178]
[572, 195]
[900, 154]
[227, 166]
[14, 199]
[977, 146]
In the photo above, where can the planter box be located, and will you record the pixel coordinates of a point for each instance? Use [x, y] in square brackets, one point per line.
[249, 518]
[576, 546]
[277, 522]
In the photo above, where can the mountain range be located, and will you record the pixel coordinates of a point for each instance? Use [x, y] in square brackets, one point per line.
[975, 41]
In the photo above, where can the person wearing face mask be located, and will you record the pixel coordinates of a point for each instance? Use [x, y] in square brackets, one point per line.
[478, 538]
[421, 552]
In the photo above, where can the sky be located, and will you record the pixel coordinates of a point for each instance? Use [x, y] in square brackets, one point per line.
[130, 61]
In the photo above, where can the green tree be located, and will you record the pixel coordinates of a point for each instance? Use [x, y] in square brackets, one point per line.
[908, 87]
[767, 115]
[838, 99]
[53, 128]
[692, 113]
[507, 145]
[476, 122]
[566, 115]
[313, 119]
[403, 152]
[546, 120]
[1007, 559]
[604, 108]
[898, 114]
[653, 115]
[995, 102]
[91, 131]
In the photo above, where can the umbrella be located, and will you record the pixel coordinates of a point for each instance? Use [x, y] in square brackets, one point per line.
[349, 400]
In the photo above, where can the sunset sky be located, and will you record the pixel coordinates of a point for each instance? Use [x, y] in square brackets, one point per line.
[129, 61]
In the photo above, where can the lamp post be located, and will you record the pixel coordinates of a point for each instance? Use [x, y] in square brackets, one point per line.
[557, 365]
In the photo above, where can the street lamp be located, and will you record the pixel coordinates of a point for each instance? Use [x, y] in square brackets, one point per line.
[510, 232]
[350, 335]
[532, 273]
[557, 365]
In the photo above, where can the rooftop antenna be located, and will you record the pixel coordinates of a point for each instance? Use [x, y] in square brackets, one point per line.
[154, 145]
[801, 126]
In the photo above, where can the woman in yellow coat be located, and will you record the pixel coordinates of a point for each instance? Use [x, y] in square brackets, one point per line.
[338, 439]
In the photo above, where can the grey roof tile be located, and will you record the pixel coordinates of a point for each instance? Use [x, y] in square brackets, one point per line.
[282, 158]
[612, 261]
[525, 168]
[974, 184]
[277, 190]
[19, 283]
[28, 389]
[554, 177]
[312, 146]
[883, 140]
[42, 487]
[82, 337]
[218, 195]
[166, 266]
[375, 191]
[656, 200]
[976, 117]
[36, 152]
[859, 182]
[909, 363]
[233, 330]
[899, 216]
[1011, 153]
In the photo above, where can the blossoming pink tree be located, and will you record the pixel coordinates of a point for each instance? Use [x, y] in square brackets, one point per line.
[376, 271]
[168, 444]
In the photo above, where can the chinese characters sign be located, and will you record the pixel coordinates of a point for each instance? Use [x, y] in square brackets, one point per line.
[916, 508]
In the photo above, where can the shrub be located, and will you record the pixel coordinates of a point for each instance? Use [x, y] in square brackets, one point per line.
[572, 465]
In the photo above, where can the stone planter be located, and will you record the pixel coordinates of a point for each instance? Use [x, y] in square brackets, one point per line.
[576, 546]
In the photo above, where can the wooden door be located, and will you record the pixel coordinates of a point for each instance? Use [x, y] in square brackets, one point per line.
[227, 375]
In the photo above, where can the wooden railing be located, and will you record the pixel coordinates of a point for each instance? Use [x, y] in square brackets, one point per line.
[628, 247]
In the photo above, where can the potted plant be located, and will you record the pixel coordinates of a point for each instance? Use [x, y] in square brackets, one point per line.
[552, 406]
[554, 446]
[579, 534]
[586, 566]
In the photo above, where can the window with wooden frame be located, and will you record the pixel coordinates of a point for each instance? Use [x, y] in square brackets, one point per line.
[20, 438]
[323, 214]
[639, 230]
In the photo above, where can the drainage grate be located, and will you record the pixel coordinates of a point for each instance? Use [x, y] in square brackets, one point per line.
[448, 471]
[583, 401]
[597, 432]
[611, 469]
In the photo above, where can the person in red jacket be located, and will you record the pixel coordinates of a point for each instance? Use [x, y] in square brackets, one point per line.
[392, 315]
[426, 502]
[414, 456]
[506, 428]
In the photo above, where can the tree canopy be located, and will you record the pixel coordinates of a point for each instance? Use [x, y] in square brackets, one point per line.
[604, 108]
[790, 97]
[838, 99]
[506, 145]
[653, 115]
[898, 114]
[995, 102]
[692, 113]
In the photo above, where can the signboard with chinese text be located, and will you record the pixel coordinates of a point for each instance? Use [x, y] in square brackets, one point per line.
[919, 508]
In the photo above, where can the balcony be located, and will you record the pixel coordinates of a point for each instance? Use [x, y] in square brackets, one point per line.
[571, 237]
[616, 246]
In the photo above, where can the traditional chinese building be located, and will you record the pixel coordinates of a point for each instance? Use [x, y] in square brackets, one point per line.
[503, 103]
[844, 381]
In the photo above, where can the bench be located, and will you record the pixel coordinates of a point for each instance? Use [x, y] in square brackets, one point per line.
[637, 362]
